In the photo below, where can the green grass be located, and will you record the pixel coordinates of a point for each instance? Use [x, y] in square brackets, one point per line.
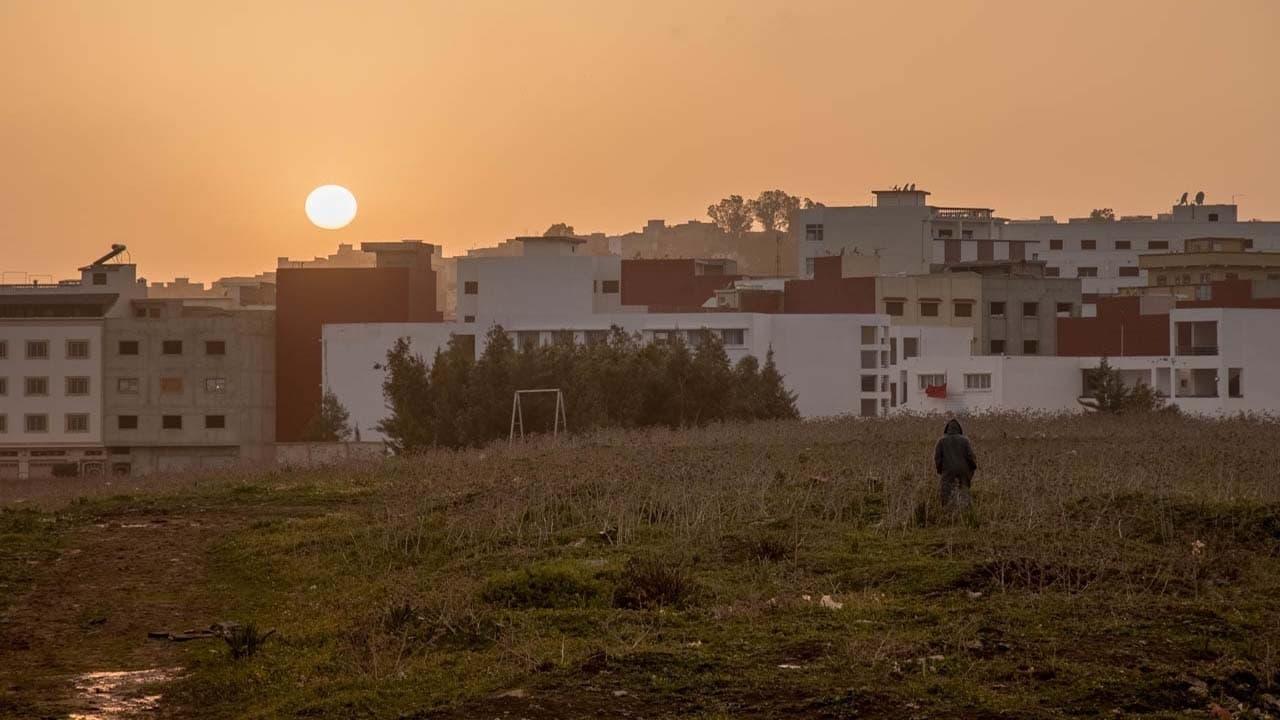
[1110, 567]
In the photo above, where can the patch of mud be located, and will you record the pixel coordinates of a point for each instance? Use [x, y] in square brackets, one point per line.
[119, 694]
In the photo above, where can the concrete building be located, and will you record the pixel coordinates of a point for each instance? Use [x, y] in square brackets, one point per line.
[1187, 275]
[51, 384]
[187, 385]
[1011, 307]
[549, 277]
[401, 287]
[1104, 254]
[903, 231]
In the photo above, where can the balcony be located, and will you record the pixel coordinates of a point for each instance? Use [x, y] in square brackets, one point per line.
[1197, 350]
[951, 213]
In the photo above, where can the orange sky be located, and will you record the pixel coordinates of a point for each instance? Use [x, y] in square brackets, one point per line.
[192, 131]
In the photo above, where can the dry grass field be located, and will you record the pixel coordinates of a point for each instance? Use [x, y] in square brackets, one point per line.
[1120, 567]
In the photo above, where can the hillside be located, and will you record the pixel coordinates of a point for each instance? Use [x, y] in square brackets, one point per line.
[1120, 567]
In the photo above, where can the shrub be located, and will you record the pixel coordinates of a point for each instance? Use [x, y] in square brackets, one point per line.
[652, 583]
[545, 586]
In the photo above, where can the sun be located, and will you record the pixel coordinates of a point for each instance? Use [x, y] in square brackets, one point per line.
[331, 207]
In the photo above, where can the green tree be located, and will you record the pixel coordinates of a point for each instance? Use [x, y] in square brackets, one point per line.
[331, 422]
[711, 382]
[1102, 214]
[779, 402]
[732, 215]
[747, 400]
[774, 208]
[449, 386]
[406, 388]
[490, 388]
[559, 230]
[1107, 392]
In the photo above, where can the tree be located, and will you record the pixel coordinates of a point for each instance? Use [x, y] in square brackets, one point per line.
[733, 215]
[1108, 393]
[811, 204]
[331, 422]
[1102, 214]
[490, 389]
[559, 230]
[779, 402]
[712, 384]
[407, 391]
[774, 208]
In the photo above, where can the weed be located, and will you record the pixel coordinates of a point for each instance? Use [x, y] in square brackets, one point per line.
[652, 583]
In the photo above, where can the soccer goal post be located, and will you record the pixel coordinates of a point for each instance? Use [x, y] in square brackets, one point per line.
[559, 424]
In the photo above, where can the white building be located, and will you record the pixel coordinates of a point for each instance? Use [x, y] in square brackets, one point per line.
[548, 278]
[51, 380]
[836, 364]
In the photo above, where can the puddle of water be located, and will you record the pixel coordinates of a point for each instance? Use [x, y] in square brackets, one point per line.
[118, 695]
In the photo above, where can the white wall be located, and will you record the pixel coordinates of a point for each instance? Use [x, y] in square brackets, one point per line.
[538, 285]
[57, 367]
[1017, 383]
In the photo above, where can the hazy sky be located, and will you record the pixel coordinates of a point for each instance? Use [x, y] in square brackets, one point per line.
[192, 131]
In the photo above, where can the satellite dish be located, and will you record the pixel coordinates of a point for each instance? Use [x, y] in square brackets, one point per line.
[1200, 198]
[1183, 201]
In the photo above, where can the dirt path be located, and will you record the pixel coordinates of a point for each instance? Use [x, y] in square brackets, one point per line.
[90, 608]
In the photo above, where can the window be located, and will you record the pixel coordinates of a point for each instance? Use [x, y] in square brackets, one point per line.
[1158, 245]
[37, 386]
[944, 234]
[37, 349]
[127, 347]
[1030, 309]
[963, 308]
[813, 232]
[471, 287]
[1205, 277]
[977, 381]
[1213, 217]
[932, 379]
[910, 347]
[1064, 308]
[170, 385]
[4, 349]
[37, 423]
[870, 359]
[868, 334]
[868, 407]
[468, 318]
[1088, 244]
[966, 234]
[77, 422]
[1123, 245]
[140, 312]
[808, 267]
[77, 386]
[1233, 382]
[734, 337]
[1162, 279]
[600, 337]
[869, 383]
[77, 349]
[215, 422]
[99, 278]
[928, 309]
[1087, 272]
[127, 386]
[4, 423]
[171, 422]
[1030, 347]
[661, 337]
[1055, 244]
[215, 347]
[997, 309]
[997, 347]
[1129, 271]
[127, 422]
[528, 339]
[893, 307]
[562, 337]
[1052, 271]
[153, 312]
[4, 386]
[171, 347]
[215, 385]
[609, 287]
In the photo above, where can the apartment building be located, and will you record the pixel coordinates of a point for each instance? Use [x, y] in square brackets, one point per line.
[1104, 254]
[1011, 307]
[549, 275]
[188, 386]
[51, 384]
[902, 230]
[1187, 275]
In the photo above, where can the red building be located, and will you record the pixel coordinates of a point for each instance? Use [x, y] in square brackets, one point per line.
[829, 291]
[401, 288]
[675, 285]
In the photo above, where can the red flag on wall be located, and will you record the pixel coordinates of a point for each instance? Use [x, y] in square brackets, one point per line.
[936, 391]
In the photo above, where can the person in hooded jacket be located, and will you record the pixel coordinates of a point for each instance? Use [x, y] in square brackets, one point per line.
[954, 460]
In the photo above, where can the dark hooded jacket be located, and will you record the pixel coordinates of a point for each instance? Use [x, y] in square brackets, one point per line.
[954, 455]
